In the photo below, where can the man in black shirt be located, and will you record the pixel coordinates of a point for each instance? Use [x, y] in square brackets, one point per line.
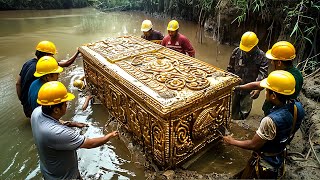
[26, 75]
[150, 34]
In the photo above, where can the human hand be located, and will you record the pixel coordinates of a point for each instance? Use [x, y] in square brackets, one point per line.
[86, 102]
[237, 88]
[255, 94]
[114, 134]
[81, 125]
[227, 139]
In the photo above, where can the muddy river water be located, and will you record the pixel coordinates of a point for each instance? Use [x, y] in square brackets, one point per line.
[20, 32]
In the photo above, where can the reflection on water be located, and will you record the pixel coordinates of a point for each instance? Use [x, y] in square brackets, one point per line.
[20, 32]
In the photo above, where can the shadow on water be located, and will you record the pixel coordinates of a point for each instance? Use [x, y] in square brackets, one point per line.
[19, 33]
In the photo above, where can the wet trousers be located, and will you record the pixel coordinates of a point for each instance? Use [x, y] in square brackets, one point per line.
[254, 170]
[241, 105]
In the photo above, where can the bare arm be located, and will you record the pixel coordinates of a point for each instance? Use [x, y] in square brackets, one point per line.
[254, 144]
[250, 86]
[69, 61]
[18, 87]
[82, 78]
[96, 142]
[86, 102]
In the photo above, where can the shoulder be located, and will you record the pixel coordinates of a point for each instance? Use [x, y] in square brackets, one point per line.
[183, 37]
[295, 72]
[36, 82]
[37, 111]
[157, 32]
[260, 56]
[236, 50]
[36, 116]
[261, 53]
[165, 39]
[267, 129]
[29, 63]
[266, 121]
[301, 111]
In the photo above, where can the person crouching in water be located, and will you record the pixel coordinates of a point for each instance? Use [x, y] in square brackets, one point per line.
[150, 34]
[57, 143]
[82, 87]
[276, 130]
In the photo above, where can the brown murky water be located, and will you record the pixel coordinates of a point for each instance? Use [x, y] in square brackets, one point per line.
[20, 32]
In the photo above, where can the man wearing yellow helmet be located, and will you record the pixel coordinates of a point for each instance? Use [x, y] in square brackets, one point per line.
[26, 77]
[150, 34]
[57, 143]
[47, 69]
[281, 55]
[276, 130]
[249, 63]
[176, 41]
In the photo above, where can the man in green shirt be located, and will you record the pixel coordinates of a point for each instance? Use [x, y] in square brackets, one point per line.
[281, 55]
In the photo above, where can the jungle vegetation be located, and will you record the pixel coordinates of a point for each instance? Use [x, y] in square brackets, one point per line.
[294, 20]
[42, 4]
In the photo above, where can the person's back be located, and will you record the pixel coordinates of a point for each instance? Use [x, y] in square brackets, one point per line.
[56, 142]
[47, 69]
[283, 118]
[299, 80]
[26, 76]
[154, 35]
[282, 55]
[56, 148]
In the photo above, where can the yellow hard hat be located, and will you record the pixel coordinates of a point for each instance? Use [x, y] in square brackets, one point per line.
[78, 84]
[248, 41]
[146, 25]
[173, 25]
[47, 65]
[281, 50]
[53, 92]
[47, 47]
[280, 81]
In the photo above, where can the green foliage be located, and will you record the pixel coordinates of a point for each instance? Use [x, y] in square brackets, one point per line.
[42, 4]
[299, 18]
[242, 7]
[302, 22]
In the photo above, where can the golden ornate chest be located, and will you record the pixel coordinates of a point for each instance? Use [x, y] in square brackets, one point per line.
[173, 104]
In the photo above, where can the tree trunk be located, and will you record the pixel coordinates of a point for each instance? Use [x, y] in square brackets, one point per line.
[161, 6]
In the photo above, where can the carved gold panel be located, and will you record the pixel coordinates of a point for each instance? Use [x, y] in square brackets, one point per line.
[173, 104]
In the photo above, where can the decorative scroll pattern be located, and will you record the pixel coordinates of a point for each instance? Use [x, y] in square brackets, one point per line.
[158, 140]
[182, 138]
[162, 73]
[116, 49]
[210, 119]
[169, 141]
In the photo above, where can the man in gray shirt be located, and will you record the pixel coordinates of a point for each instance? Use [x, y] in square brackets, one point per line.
[57, 143]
